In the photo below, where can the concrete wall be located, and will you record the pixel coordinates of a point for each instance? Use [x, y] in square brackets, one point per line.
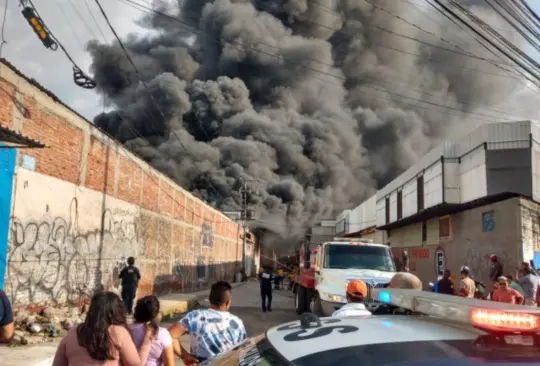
[84, 203]
[469, 245]
[530, 231]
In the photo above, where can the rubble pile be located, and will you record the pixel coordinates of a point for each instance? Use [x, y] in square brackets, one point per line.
[46, 325]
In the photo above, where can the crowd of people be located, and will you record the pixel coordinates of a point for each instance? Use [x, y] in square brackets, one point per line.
[107, 338]
[523, 288]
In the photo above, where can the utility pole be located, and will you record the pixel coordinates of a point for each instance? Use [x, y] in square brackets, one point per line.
[246, 215]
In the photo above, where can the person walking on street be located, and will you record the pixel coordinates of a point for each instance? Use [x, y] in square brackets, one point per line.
[213, 330]
[467, 288]
[445, 284]
[529, 282]
[7, 324]
[356, 293]
[266, 279]
[505, 294]
[496, 270]
[146, 317]
[130, 277]
[103, 338]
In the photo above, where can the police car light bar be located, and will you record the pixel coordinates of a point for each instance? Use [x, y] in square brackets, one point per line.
[487, 315]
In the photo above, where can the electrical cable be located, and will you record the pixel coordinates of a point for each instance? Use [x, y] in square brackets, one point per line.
[463, 52]
[501, 39]
[494, 118]
[479, 34]
[152, 97]
[472, 32]
[95, 20]
[4, 17]
[83, 19]
[492, 62]
[79, 77]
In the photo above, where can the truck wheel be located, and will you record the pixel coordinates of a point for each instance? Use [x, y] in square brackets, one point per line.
[300, 300]
[315, 305]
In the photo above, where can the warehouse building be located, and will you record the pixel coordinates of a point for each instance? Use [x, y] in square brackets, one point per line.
[460, 203]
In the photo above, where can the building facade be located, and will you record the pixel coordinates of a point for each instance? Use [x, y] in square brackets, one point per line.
[75, 210]
[463, 201]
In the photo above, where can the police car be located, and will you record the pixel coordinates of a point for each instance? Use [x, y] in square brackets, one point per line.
[440, 330]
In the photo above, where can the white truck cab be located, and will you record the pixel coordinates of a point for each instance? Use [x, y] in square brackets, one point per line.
[342, 260]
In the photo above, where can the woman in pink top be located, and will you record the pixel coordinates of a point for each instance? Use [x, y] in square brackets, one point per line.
[103, 339]
[161, 351]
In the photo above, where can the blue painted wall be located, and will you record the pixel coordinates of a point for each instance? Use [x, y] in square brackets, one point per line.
[7, 168]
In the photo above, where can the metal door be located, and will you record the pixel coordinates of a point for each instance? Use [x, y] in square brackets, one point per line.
[7, 168]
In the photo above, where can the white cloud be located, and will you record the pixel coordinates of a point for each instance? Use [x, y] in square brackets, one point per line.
[63, 17]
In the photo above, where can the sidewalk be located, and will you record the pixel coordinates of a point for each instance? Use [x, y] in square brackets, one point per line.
[172, 306]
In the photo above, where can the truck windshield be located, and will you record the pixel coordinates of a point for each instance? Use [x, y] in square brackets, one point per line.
[359, 257]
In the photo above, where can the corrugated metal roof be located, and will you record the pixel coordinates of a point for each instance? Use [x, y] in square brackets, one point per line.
[12, 137]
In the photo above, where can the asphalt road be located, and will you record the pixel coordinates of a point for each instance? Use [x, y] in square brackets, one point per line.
[247, 306]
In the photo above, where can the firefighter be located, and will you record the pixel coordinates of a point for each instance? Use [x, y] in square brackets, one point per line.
[266, 279]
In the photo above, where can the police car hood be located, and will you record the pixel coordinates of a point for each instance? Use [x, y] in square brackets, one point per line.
[369, 276]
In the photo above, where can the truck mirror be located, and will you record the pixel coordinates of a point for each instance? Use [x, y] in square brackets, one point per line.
[307, 264]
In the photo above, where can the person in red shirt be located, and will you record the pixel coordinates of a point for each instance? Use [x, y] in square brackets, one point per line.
[504, 293]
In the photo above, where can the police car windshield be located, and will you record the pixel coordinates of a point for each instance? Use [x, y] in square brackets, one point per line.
[347, 256]
[429, 353]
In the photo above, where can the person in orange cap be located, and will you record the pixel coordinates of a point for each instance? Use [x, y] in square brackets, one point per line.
[356, 293]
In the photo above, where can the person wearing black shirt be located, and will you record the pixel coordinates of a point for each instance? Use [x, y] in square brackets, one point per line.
[130, 277]
[266, 278]
[445, 284]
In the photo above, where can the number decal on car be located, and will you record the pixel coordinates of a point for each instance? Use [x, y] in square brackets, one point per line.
[319, 332]
[299, 326]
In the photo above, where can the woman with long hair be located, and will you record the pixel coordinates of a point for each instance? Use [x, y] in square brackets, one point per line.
[104, 338]
[145, 316]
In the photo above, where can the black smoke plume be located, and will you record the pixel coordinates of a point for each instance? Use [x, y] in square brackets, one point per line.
[316, 103]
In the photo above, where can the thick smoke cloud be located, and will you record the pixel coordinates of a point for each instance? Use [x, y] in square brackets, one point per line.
[317, 103]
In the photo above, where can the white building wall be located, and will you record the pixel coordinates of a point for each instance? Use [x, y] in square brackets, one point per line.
[56, 242]
[473, 182]
[410, 198]
[433, 186]
[381, 212]
[452, 179]
[393, 206]
[364, 215]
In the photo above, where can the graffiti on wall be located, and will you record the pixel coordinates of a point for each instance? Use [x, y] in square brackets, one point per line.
[207, 235]
[477, 260]
[50, 257]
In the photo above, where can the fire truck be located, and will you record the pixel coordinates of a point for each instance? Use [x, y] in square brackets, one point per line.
[325, 271]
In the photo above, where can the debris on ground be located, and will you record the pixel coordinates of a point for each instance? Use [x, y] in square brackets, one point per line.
[45, 325]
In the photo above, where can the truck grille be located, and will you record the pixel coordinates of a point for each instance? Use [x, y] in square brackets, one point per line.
[370, 302]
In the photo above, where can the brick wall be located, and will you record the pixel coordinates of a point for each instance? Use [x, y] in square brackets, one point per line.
[89, 204]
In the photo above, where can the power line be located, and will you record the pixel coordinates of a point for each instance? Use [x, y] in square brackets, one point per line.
[442, 9]
[95, 20]
[83, 19]
[464, 51]
[68, 21]
[344, 80]
[3, 40]
[485, 27]
[152, 97]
